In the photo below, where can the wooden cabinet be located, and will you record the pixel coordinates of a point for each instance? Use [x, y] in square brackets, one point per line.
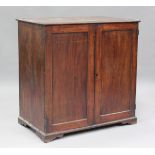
[76, 73]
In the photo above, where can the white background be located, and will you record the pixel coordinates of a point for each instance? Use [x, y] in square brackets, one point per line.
[140, 135]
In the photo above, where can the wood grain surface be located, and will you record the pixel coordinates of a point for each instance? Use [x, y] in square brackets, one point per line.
[76, 76]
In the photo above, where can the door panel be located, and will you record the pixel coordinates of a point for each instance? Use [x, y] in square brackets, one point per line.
[71, 77]
[115, 71]
[114, 50]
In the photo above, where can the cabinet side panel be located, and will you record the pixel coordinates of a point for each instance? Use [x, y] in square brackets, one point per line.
[31, 73]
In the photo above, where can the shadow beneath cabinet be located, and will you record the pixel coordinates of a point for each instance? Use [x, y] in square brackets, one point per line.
[91, 130]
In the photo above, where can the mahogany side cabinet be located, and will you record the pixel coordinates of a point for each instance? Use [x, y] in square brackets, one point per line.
[76, 73]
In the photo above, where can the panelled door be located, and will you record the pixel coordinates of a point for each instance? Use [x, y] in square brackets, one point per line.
[69, 72]
[115, 70]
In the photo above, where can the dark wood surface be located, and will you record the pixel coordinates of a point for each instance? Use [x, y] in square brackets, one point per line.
[71, 74]
[75, 20]
[31, 73]
[73, 77]
[114, 74]
[47, 137]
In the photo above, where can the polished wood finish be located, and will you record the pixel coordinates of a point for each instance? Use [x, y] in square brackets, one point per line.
[31, 73]
[75, 20]
[70, 68]
[76, 76]
[114, 71]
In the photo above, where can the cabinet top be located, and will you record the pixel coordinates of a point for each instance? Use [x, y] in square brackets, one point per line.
[74, 20]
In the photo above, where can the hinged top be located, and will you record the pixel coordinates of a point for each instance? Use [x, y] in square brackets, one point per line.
[74, 20]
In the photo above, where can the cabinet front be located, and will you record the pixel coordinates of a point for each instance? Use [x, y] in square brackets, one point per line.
[69, 72]
[115, 72]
